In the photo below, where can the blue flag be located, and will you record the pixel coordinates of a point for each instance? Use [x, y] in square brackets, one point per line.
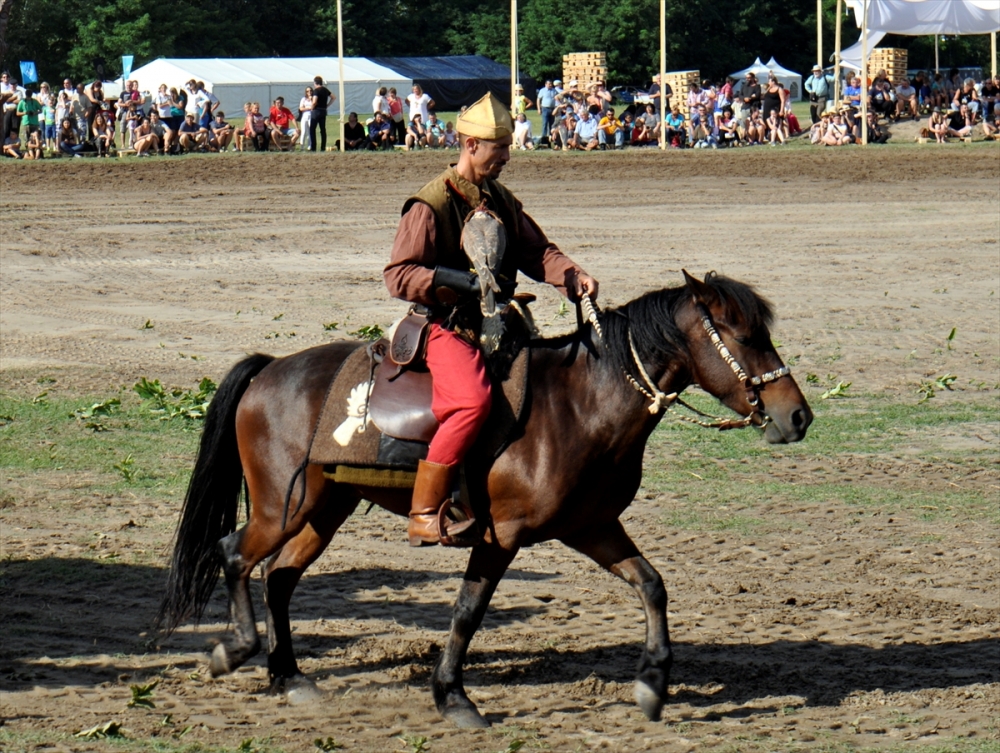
[29, 75]
[126, 66]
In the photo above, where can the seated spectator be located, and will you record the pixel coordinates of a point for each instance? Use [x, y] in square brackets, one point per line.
[989, 95]
[939, 92]
[627, 126]
[450, 139]
[676, 131]
[34, 149]
[991, 123]
[609, 131]
[133, 116]
[12, 146]
[146, 140]
[961, 122]
[838, 133]
[67, 139]
[880, 99]
[937, 126]
[435, 131]
[564, 128]
[818, 129]
[379, 132]
[853, 122]
[254, 129]
[584, 135]
[416, 134]
[776, 128]
[355, 139]
[239, 135]
[906, 100]
[876, 133]
[222, 133]
[728, 128]
[968, 96]
[647, 127]
[522, 132]
[282, 123]
[103, 135]
[700, 127]
[756, 129]
[852, 92]
[192, 138]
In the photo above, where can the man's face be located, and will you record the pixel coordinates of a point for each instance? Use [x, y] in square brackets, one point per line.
[279, 103]
[548, 85]
[417, 90]
[490, 157]
[432, 120]
[67, 84]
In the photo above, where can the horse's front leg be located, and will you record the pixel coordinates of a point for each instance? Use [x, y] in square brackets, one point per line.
[611, 548]
[487, 564]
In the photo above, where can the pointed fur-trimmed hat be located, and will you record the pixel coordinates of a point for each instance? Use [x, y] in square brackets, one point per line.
[486, 119]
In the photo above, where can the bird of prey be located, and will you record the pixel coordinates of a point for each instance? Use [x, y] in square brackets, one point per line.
[484, 240]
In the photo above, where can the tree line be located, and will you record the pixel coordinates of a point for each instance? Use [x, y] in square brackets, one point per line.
[76, 38]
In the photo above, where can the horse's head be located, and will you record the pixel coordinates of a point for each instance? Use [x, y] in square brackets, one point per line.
[732, 357]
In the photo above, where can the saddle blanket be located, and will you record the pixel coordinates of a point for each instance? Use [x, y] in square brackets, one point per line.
[354, 450]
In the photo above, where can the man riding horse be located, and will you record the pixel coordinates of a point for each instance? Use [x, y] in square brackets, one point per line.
[429, 267]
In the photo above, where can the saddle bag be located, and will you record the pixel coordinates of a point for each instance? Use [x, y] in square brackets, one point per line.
[407, 349]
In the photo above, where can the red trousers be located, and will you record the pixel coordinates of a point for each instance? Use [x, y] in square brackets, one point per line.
[461, 401]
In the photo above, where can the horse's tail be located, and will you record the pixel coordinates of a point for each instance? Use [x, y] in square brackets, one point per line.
[211, 502]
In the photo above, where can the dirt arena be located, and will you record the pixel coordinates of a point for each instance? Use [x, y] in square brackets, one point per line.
[825, 625]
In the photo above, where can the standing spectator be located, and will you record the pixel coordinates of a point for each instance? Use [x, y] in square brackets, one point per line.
[95, 93]
[255, 127]
[380, 103]
[321, 101]
[354, 135]
[380, 132]
[416, 134]
[773, 97]
[750, 94]
[222, 132]
[133, 117]
[28, 110]
[282, 123]
[819, 86]
[64, 108]
[305, 118]
[585, 134]
[521, 103]
[654, 94]
[82, 107]
[420, 103]
[49, 121]
[10, 97]
[547, 102]
[522, 132]
[396, 119]
[609, 131]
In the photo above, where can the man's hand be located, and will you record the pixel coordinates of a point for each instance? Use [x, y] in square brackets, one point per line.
[584, 283]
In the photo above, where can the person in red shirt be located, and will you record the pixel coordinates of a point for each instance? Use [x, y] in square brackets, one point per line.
[282, 123]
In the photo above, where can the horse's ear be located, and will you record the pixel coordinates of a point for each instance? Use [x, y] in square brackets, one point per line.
[701, 292]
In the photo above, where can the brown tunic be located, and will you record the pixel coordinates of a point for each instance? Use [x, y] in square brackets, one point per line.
[417, 250]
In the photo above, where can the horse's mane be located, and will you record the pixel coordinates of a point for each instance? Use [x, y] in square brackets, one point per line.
[651, 319]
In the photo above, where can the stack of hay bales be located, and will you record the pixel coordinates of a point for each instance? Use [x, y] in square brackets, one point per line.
[586, 68]
[679, 82]
[892, 59]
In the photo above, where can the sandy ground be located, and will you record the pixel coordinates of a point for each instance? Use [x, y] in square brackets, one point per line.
[841, 627]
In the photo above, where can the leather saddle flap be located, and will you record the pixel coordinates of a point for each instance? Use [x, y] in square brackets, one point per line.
[400, 404]
[407, 347]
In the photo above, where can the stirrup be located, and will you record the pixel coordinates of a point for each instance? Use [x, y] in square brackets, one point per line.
[462, 531]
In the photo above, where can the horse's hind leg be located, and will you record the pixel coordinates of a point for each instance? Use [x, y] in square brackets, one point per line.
[243, 549]
[487, 565]
[611, 548]
[282, 574]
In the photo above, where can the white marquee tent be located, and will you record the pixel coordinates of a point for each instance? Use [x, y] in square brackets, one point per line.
[788, 79]
[238, 80]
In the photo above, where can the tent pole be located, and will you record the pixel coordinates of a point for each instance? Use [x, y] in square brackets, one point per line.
[340, 64]
[513, 52]
[663, 74]
[937, 64]
[819, 33]
[993, 52]
[864, 75]
[836, 56]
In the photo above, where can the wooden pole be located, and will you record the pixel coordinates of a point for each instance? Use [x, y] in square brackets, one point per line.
[993, 52]
[513, 53]
[340, 69]
[937, 63]
[864, 76]
[836, 56]
[663, 74]
[819, 33]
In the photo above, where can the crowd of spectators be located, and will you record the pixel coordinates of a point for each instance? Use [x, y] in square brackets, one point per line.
[78, 119]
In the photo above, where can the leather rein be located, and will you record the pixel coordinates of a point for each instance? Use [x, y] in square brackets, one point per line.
[660, 401]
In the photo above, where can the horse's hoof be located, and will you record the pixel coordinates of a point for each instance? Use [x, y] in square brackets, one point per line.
[466, 717]
[300, 690]
[649, 701]
[219, 662]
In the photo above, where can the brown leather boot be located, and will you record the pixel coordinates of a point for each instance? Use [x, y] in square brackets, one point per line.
[428, 523]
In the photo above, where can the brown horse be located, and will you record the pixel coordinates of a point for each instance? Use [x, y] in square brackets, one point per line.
[573, 466]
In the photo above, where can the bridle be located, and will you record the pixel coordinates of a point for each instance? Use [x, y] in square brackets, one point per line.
[661, 401]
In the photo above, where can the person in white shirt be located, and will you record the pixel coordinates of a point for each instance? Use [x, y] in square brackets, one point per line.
[305, 118]
[420, 103]
[380, 104]
[522, 133]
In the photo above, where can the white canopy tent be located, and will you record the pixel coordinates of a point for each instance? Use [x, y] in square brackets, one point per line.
[788, 79]
[238, 80]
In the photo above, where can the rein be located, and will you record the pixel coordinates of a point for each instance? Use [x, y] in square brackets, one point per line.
[660, 401]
